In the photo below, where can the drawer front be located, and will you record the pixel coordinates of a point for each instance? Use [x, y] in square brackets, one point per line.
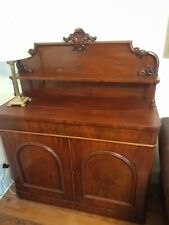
[131, 135]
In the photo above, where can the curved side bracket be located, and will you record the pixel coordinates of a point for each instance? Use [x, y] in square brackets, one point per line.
[23, 68]
[79, 38]
[33, 52]
[148, 70]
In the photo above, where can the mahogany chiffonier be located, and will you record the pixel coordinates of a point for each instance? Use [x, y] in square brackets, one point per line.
[87, 139]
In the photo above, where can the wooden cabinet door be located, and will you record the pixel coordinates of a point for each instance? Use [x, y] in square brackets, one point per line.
[111, 176]
[40, 165]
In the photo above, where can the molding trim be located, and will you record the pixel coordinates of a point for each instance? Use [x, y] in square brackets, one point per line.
[51, 154]
[90, 158]
[7, 188]
[83, 138]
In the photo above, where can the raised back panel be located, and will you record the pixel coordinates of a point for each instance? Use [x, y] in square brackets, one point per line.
[101, 61]
[88, 68]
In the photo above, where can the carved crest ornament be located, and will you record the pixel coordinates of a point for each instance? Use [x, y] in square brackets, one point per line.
[79, 39]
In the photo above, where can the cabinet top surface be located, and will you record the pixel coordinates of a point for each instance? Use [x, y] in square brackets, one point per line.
[114, 112]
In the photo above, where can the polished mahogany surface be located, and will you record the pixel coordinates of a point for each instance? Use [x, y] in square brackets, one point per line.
[87, 139]
[88, 110]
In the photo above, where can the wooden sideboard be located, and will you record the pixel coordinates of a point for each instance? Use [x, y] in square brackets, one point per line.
[87, 139]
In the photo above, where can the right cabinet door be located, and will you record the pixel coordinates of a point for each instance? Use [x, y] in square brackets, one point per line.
[111, 176]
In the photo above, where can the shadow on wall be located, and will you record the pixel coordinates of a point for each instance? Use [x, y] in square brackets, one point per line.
[5, 178]
[166, 47]
[6, 90]
[6, 93]
[156, 167]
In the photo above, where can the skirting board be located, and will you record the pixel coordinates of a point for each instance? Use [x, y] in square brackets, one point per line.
[6, 189]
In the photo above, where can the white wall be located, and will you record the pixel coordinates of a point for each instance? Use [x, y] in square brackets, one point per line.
[144, 22]
[6, 92]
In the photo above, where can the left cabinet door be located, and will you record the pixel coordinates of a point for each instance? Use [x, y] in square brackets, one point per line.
[40, 165]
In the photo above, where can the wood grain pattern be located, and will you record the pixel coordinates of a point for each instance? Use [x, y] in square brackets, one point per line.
[10, 220]
[110, 170]
[30, 155]
[52, 177]
[101, 60]
[11, 210]
[87, 139]
[101, 185]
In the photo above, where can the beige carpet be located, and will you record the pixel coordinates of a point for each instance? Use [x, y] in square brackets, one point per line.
[8, 220]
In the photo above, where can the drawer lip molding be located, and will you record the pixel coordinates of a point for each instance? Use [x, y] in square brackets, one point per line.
[83, 138]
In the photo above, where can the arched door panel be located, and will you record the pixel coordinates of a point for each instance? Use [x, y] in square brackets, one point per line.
[41, 166]
[109, 176]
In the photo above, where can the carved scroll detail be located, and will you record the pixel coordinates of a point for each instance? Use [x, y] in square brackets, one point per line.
[148, 70]
[79, 38]
[152, 103]
[32, 52]
[22, 68]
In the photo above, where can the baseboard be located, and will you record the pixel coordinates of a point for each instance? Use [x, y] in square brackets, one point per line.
[10, 184]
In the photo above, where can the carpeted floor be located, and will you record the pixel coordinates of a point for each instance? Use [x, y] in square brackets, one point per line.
[9, 220]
